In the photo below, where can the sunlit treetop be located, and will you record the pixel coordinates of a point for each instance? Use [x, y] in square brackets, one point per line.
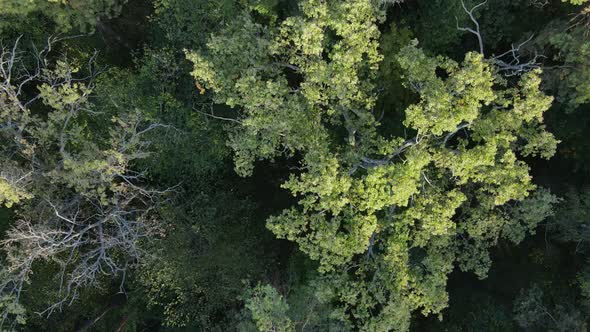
[387, 217]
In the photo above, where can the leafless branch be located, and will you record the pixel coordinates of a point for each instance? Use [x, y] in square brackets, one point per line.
[211, 114]
[510, 64]
[476, 32]
[90, 226]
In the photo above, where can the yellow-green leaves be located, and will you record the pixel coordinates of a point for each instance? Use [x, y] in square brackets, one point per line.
[268, 309]
[530, 103]
[10, 194]
[283, 79]
[445, 104]
[386, 217]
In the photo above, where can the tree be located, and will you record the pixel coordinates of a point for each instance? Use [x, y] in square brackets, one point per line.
[66, 170]
[570, 221]
[576, 2]
[530, 311]
[210, 237]
[188, 23]
[567, 74]
[68, 15]
[386, 217]
[268, 309]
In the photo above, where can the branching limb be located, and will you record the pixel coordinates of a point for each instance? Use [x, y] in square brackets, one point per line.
[510, 64]
[211, 114]
[90, 218]
[476, 32]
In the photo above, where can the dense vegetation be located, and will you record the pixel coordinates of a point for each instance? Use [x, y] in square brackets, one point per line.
[294, 165]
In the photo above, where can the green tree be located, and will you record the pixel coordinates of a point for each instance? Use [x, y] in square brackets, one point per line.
[576, 2]
[570, 220]
[210, 237]
[569, 49]
[387, 217]
[68, 15]
[268, 309]
[531, 311]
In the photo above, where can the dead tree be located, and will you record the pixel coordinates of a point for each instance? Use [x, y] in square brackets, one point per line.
[509, 63]
[78, 202]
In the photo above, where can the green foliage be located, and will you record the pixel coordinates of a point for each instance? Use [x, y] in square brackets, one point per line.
[247, 52]
[583, 280]
[188, 23]
[209, 239]
[396, 180]
[13, 310]
[530, 212]
[268, 309]
[68, 15]
[570, 49]
[202, 261]
[392, 96]
[471, 311]
[528, 307]
[11, 194]
[531, 312]
[570, 221]
[436, 24]
[85, 211]
[397, 222]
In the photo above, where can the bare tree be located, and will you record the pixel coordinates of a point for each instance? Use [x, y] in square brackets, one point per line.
[510, 63]
[80, 205]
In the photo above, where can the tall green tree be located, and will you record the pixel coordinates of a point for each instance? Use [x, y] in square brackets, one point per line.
[387, 217]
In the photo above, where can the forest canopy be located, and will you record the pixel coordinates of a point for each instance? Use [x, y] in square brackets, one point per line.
[294, 165]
